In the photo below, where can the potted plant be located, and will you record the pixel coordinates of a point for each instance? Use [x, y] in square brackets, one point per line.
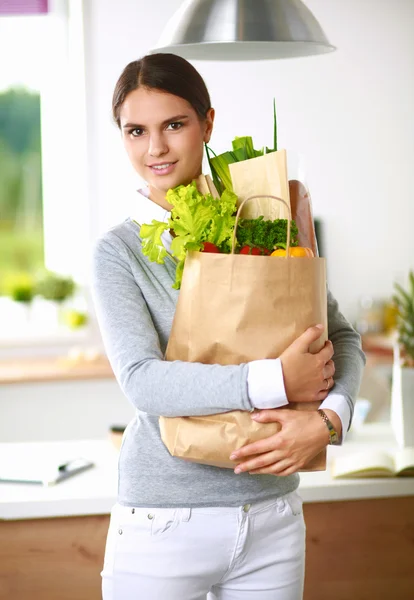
[55, 289]
[20, 288]
[402, 398]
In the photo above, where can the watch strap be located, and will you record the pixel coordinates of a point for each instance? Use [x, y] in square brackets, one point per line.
[333, 434]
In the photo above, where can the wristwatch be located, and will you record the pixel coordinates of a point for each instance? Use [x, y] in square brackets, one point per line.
[333, 434]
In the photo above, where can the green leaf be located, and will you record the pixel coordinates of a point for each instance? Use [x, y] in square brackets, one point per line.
[265, 234]
[403, 294]
[404, 302]
[179, 275]
[152, 245]
[197, 218]
[411, 279]
[274, 126]
[178, 246]
[245, 144]
[217, 182]
[222, 224]
[220, 165]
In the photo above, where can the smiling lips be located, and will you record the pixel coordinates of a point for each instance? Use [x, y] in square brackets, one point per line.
[163, 168]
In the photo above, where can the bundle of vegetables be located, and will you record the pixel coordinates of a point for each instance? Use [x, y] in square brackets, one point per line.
[242, 149]
[203, 223]
[198, 221]
[257, 236]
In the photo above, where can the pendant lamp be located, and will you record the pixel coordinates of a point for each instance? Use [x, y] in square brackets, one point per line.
[243, 30]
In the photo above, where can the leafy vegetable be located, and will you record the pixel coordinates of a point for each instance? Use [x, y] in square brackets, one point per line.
[195, 219]
[152, 245]
[242, 149]
[259, 233]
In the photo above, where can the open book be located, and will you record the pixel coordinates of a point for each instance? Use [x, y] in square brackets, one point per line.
[374, 463]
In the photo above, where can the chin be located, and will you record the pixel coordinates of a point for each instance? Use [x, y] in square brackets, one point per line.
[172, 181]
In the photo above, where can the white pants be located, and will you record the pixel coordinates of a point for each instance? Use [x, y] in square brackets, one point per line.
[251, 552]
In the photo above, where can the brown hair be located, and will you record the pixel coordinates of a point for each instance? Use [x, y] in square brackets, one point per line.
[165, 72]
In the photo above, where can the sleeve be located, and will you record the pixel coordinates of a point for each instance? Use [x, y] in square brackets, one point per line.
[338, 403]
[348, 358]
[265, 384]
[152, 384]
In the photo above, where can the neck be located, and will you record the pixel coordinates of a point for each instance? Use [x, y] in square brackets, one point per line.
[158, 197]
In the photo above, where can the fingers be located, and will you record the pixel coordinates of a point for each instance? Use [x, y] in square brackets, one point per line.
[329, 370]
[328, 385]
[303, 342]
[260, 447]
[260, 462]
[327, 351]
[275, 469]
[271, 415]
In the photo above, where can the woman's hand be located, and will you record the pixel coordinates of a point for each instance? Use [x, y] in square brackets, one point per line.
[308, 377]
[303, 435]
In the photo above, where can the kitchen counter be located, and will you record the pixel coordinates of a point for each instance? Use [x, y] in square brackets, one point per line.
[94, 491]
[358, 532]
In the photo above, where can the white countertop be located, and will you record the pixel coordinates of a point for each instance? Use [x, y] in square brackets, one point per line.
[94, 491]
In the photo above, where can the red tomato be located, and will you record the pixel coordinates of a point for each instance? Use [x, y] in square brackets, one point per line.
[209, 247]
[250, 250]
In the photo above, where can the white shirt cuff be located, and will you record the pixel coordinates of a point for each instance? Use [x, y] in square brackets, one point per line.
[265, 384]
[338, 404]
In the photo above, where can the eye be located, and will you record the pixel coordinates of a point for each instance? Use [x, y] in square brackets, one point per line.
[137, 132]
[175, 126]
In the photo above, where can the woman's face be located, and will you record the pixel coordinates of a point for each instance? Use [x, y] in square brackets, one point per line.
[164, 138]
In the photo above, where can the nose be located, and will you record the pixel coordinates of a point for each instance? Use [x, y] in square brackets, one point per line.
[157, 145]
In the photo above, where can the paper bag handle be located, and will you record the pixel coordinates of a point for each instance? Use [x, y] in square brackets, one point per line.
[233, 244]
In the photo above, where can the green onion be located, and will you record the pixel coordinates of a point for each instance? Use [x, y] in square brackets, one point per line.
[243, 149]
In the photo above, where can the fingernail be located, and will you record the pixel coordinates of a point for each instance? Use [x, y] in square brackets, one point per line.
[237, 470]
[320, 326]
[233, 456]
[256, 416]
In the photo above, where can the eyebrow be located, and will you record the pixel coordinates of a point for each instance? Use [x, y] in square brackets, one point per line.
[171, 120]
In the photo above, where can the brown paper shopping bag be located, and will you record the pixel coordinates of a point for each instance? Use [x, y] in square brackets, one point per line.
[232, 309]
[260, 177]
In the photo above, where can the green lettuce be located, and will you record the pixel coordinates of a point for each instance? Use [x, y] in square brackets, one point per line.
[152, 245]
[195, 218]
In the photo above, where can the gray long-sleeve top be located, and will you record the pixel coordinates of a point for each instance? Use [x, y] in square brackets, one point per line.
[135, 305]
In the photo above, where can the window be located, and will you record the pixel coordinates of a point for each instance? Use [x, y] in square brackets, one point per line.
[21, 210]
[44, 207]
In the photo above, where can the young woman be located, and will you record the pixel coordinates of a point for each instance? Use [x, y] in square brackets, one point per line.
[180, 530]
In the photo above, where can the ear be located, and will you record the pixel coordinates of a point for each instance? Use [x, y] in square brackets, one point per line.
[209, 125]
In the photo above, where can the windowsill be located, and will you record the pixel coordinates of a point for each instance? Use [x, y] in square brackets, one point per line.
[48, 369]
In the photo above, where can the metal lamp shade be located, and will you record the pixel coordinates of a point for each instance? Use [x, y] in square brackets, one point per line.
[243, 30]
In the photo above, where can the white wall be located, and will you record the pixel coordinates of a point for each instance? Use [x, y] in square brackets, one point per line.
[350, 114]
